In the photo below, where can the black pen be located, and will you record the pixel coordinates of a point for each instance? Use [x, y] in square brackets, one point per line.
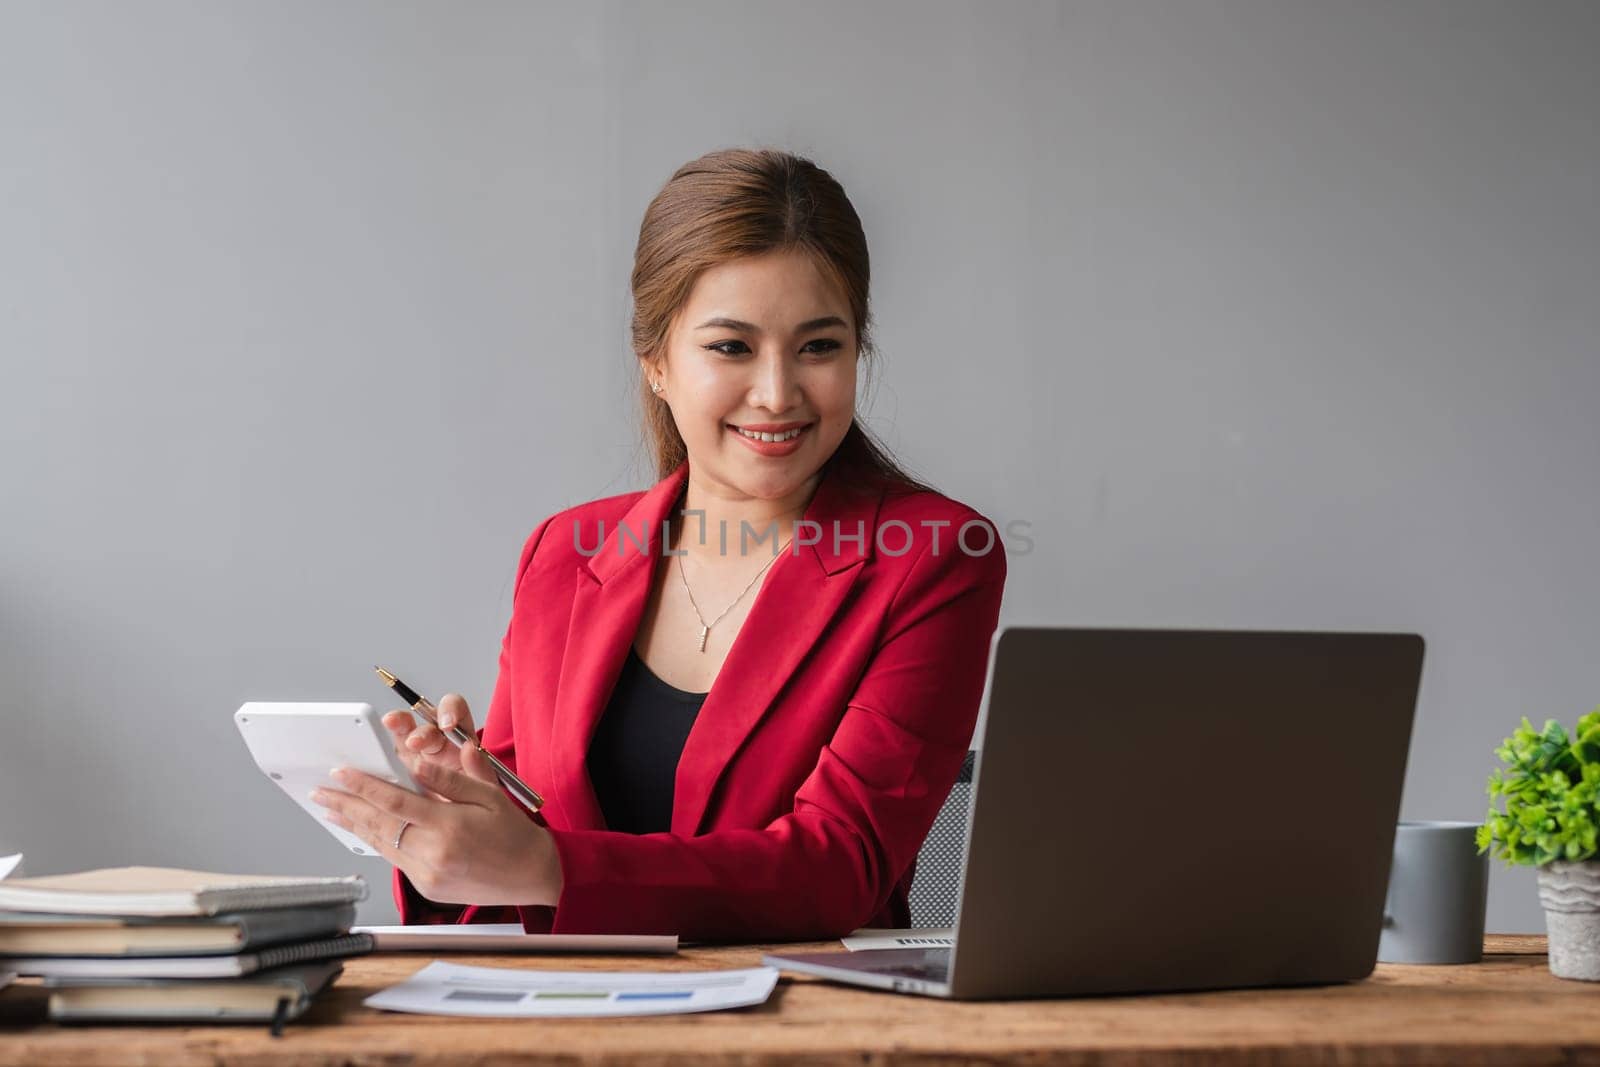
[422, 706]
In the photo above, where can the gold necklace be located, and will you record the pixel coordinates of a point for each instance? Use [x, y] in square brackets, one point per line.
[705, 627]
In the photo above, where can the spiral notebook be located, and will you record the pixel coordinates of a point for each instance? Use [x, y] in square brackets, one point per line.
[234, 966]
[280, 995]
[46, 933]
[172, 891]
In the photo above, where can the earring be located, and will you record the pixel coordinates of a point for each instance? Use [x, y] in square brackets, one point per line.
[655, 387]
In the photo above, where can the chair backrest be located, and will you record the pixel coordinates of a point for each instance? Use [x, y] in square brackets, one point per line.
[937, 880]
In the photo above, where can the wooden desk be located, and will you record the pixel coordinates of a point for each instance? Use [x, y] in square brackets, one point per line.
[1508, 1009]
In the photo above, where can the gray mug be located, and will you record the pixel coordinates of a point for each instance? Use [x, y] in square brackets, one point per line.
[1438, 892]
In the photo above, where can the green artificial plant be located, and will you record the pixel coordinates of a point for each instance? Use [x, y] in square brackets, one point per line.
[1549, 786]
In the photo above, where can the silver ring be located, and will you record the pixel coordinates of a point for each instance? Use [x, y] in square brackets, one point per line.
[403, 824]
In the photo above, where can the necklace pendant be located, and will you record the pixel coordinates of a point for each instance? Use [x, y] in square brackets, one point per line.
[703, 631]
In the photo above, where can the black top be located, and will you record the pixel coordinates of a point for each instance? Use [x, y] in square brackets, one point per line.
[633, 759]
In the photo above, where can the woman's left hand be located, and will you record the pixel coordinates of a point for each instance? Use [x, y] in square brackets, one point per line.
[479, 847]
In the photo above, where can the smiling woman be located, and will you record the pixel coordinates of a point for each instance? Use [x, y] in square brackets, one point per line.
[744, 245]
[777, 382]
[735, 740]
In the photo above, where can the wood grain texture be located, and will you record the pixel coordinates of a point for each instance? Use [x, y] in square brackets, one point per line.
[1508, 1009]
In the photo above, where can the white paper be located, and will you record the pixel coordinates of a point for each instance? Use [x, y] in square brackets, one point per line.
[449, 989]
[918, 937]
[446, 929]
[507, 937]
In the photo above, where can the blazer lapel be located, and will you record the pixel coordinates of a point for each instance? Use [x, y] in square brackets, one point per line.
[796, 602]
[613, 587]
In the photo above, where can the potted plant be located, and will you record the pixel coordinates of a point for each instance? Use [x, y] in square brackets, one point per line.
[1550, 821]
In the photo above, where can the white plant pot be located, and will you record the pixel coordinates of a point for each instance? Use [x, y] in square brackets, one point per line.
[1570, 894]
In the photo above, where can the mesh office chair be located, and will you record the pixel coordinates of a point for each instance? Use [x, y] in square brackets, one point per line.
[937, 880]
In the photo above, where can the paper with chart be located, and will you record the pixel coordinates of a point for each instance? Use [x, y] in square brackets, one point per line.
[443, 988]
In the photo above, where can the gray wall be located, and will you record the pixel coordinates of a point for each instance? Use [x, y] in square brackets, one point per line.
[1262, 314]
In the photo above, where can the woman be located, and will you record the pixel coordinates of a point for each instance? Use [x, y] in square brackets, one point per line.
[737, 737]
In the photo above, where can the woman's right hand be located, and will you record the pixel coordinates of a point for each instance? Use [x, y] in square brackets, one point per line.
[419, 743]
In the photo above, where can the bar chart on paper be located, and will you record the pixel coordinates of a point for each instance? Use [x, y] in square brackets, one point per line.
[453, 989]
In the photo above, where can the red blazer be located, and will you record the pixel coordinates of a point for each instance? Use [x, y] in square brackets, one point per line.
[821, 755]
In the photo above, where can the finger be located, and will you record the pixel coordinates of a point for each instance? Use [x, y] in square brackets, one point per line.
[427, 741]
[400, 723]
[456, 784]
[378, 830]
[375, 793]
[414, 762]
[477, 764]
[453, 711]
[402, 726]
[412, 746]
[412, 741]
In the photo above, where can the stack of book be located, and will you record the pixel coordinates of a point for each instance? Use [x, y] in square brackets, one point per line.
[166, 944]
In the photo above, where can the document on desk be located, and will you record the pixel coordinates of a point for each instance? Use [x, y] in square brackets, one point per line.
[918, 937]
[507, 937]
[443, 988]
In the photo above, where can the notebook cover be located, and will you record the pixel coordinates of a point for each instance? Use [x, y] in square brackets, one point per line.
[172, 891]
[252, 999]
[75, 967]
[65, 934]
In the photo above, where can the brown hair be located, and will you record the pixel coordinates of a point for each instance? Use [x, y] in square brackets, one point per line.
[745, 202]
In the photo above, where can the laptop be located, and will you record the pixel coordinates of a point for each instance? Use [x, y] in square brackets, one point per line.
[1166, 810]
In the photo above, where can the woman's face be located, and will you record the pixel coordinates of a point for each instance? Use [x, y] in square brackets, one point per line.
[764, 343]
